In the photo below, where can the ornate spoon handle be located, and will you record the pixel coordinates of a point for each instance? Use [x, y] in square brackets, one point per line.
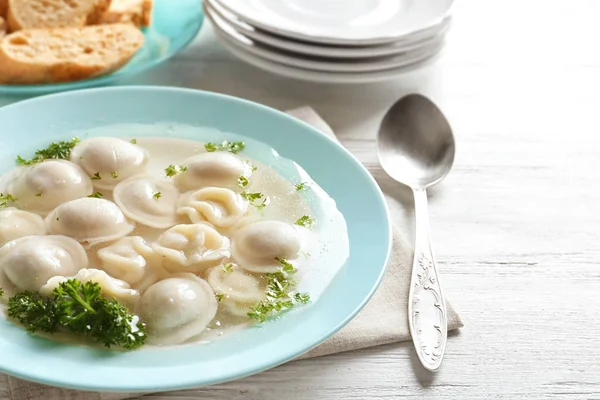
[427, 316]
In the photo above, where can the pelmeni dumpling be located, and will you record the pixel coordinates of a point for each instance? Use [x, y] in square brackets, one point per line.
[148, 201]
[177, 309]
[42, 187]
[132, 260]
[240, 290]
[257, 245]
[110, 159]
[29, 262]
[15, 223]
[219, 206]
[111, 287]
[89, 220]
[212, 169]
[191, 248]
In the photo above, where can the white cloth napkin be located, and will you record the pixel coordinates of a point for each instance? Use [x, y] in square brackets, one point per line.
[383, 320]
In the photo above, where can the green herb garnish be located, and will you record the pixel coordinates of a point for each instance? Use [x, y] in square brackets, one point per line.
[81, 309]
[227, 267]
[232, 147]
[133, 141]
[252, 166]
[114, 174]
[96, 195]
[96, 177]
[242, 181]
[301, 186]
[1, 292]
[5, 199]
[173, 170]
[219, 296]
[254, 197]
[280, 296]
[56, 150]
[305, 221]
[157, 195]
[38, 194]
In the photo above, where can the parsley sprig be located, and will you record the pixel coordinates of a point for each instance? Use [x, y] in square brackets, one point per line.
[301, 186]
[254, 197]
[306, 221]
[5, 199]
[173, 170]
[280, 293]
[81, 309]
[56, 150]
[232, 147]
[242, 182]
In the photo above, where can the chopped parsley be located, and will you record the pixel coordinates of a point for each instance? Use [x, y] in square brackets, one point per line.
[173, 170]
[1, 292]
[96, 177]
[5, 199]
[114, 174]
[133, 141]
[96, 195]
[301, 186]
[242, 181]
[232, 147]
[56, 150]
[39, 194]
[306, 221]
[79, 308]
[227, 267]
[252, 166]
[219, 296]
[157, 195]
[280, 294]
[254, 197]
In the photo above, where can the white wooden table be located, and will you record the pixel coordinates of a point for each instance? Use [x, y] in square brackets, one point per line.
[516, 225]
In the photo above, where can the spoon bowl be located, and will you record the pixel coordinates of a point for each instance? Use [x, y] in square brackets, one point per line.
[415, 142]
[416, 148]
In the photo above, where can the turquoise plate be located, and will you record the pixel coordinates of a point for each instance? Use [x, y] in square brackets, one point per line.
[175, 24]
[33, 123]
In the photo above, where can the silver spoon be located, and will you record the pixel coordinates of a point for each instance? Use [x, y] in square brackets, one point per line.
[416, 148]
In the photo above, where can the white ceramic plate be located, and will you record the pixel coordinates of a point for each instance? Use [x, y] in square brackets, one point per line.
[348, 22]
[419, 39]
[228, 34]
[324, 76]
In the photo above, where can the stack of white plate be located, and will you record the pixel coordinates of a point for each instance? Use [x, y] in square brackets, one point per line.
[343, 41]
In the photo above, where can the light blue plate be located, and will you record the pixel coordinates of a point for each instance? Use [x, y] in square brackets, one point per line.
[30, 124]
[175, 24]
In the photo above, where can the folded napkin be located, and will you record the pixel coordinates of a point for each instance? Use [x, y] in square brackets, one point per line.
[383, 320]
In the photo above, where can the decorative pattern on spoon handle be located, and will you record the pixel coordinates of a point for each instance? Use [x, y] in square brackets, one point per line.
[426, 306]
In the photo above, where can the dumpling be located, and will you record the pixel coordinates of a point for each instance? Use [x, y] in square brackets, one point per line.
[177, 309]
[240, 290]
[42, 187]
[191, 248]
[212, 169]
[29, 262]
[111, 287]
[132, 260]
[221, 207]
[255, 246]
[16, 223]
[147, 200]
[110, 159]
[89, 220]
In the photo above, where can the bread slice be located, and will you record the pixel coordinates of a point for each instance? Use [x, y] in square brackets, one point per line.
[66, 54]
[3, 8]
[2, 27]
[139, 12]
[34, 14]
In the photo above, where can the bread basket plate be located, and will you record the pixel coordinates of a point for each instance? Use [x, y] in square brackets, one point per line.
[175, 24]
[243, 353]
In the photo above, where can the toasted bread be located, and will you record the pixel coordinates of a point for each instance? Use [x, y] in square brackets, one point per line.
[34, 14]
[66, 54]
[138, 12]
